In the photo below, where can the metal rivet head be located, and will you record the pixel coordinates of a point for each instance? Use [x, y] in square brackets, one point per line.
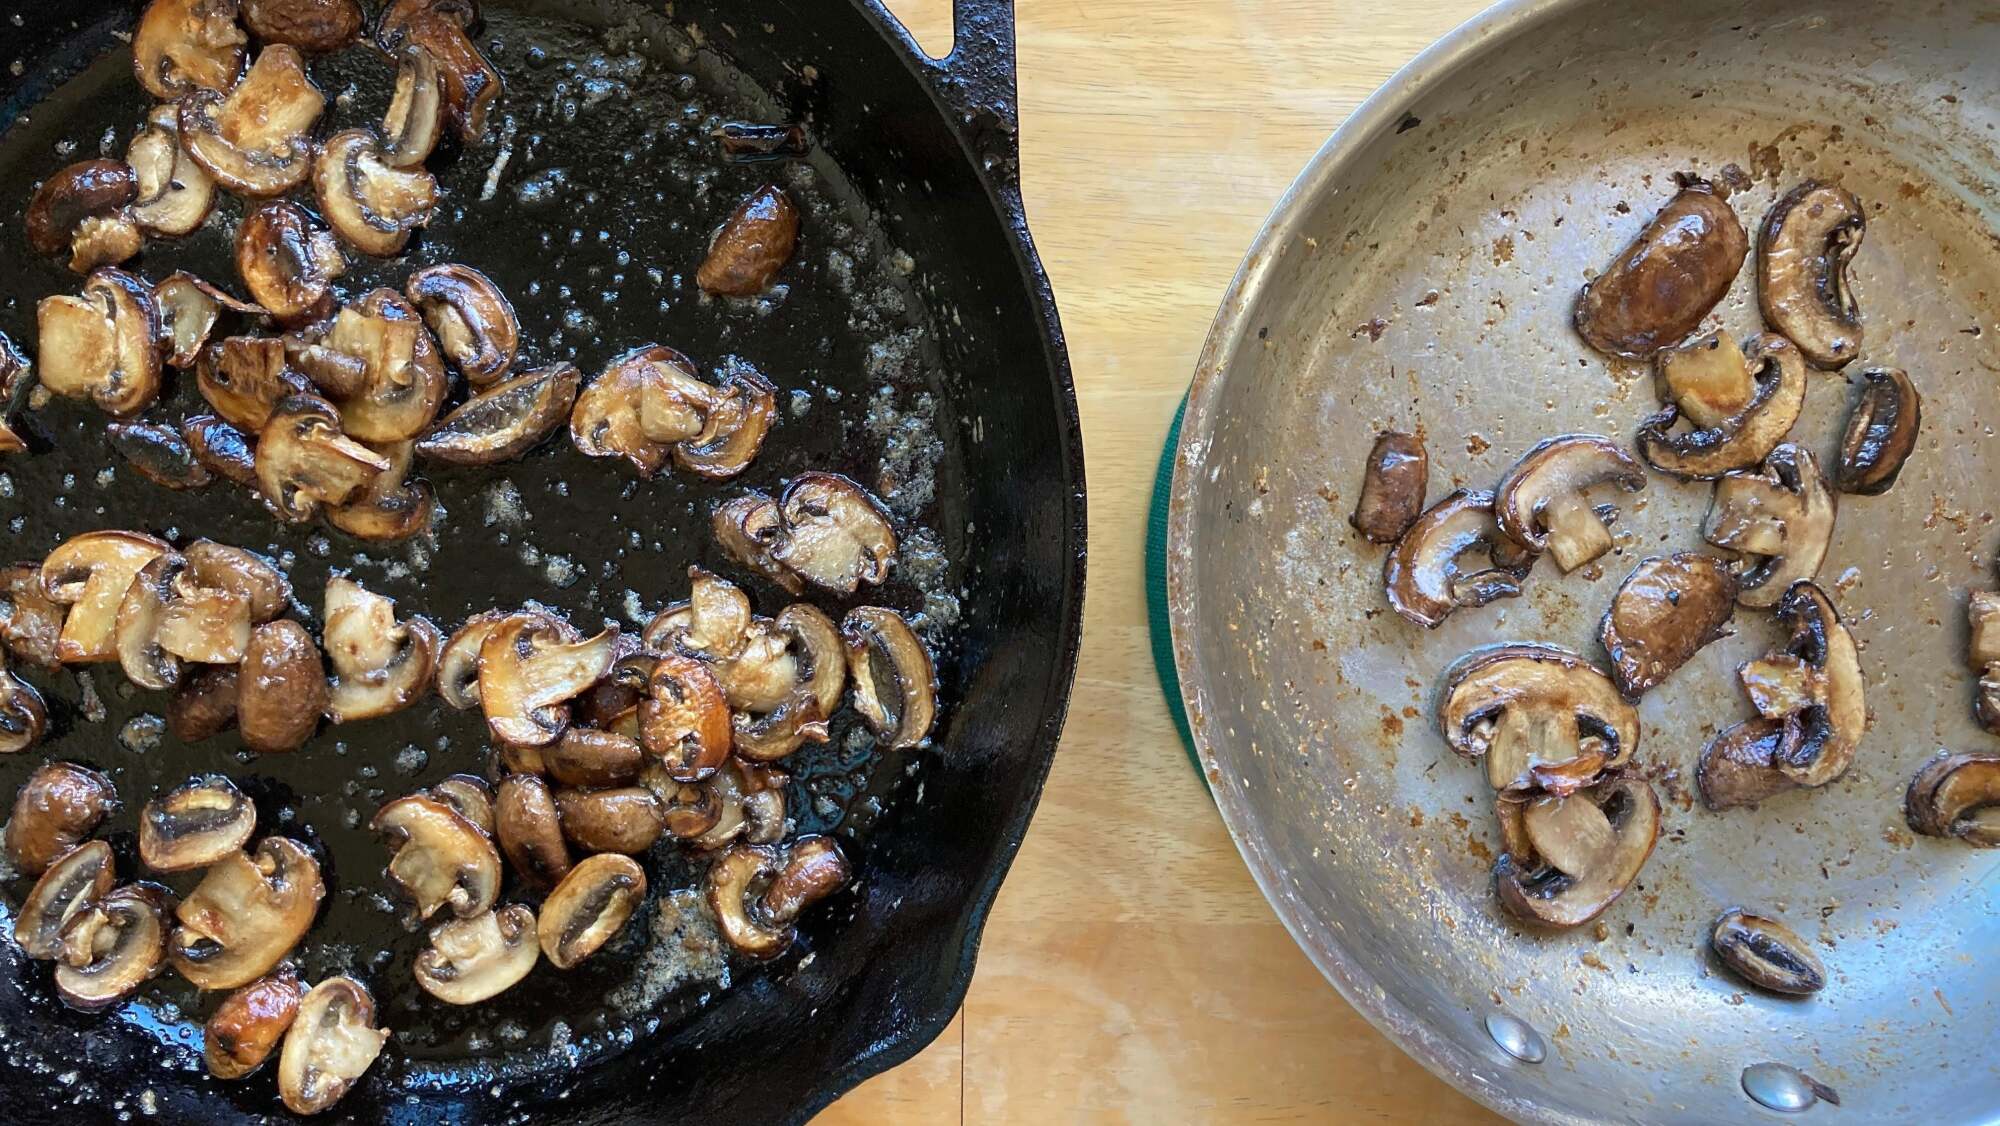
[1516, 1038]
[1783, 1087]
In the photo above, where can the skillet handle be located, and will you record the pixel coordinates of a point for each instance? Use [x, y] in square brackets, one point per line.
[976, 81]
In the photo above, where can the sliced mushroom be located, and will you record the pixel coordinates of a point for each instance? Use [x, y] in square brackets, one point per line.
[1983, 655]
[1779, 519]
[1781, 685]
[159, 453]
[24, 718]
[1540, 716]
[221, 449]
[380, 665]
[1707, 379]
[331, 1044]
[15, 387]
[733, 428]
[834, 534]
[1881, 432]
[287, 261]
[895, 685]
[255, 140]
[247, 1027]
[458, 663]
[1667, 279]
[470, 797]
[282, 690]
[304, 461]
[405, 382]
[1957, 796]
[185, 45]
[1766, 953]
[76, 879]
[146, 664]
[817, 649]
[1665, 611]
[814, 868]
[645, 400]
[209, 604]
[84, 210]
[752, 245]
[415, 118]
[204, 705]
[757, 894]
[589, 906]
[530, 666]
[748, 528]
[89, 573]
[102, 347]
[713, 624]
[1606, 857]
[30, 622]
[369, 202]
[309, 25]
[112, 947]
[506, 420]
[59, 805]
[1743, 439]
[440, 27]
[472, 960]
[691, 809]
[745, 143]
[1739, 766]
[393, 506]
[473, 320]
[589, 758]
[245, 378]
[684, 719]
[198, 823]
[526, 824]
[174, 193]
[1422, 576]
[626, 819]
[1540, 505]
[247, 913]
[189, 308]
[1392, 489]
[1808, 240]
[437, 858]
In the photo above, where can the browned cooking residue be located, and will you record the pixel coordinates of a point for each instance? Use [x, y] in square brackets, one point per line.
[1897, 837]
[1476, 444]
[1392, 725]
[1477, 847]
[1942, 1003]
[1416, 818]
[1503, 250]
[1595, 963]
[1765, 163]
[1458, 821]
[1374, 327]
[1430, 297]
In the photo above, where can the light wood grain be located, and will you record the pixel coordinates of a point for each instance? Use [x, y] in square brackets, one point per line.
[1131, 972]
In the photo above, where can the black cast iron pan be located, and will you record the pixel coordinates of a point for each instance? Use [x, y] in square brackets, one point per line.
[916, 346]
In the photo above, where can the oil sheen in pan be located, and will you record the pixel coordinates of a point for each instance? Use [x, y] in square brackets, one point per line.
[590, 201]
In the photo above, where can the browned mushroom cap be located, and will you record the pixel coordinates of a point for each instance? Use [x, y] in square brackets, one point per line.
[691, 809]
[1808, 239]
[458, 662]
[1881, 432]
[1830, 731]
[393, 506]
[138, 624]
[1392, 489]
[589, 758]
[184, 45]
[405, 382]
[221, 449]
[112, 947]
[199, 606]
[24, 718]
[247, 1026]
[471, 960]
[610, 418]
[1957, 795]
[895, 685]
[530, 666]
[526, 824]
[380, 665]
[757, 895]
[89, 574]
[415, 118]
[197, 823]
[174, 194]
[748, 528]
[102, 347]
[1540, 505]
[248, 912]
[1744, 438]
[440, 27]
[814, 868]
[1541, 717]
[204, 705]
[84, 210]
[835, 535]
[30, 622]
[189, 308]
[1422, 576]
[470, 797]
[684, 720]
[245, 378]
[309, 25]
[591, 905]
[287, 261]
[1664, 612]
[1592, 845]
[1667, 279]
[505, 420]
[331, 1044]
[625, 819]
[438, 858]
[818, 649]
[369, 202]
[59, 805]
[251, 577]
[304, 461]
[1707, 379]
[159, 453]
[733, 429]
[76, 878]
[473, 320]
[14, 375]
[1766, 953]
[256, 139]
[1780, 520]
[282, 689]
[752, 245]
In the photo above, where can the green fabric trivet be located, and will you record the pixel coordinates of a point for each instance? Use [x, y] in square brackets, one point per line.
[1156, 590]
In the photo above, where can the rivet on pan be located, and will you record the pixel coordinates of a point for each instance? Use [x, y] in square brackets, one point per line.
[1517, 1039]
[1783, 1087]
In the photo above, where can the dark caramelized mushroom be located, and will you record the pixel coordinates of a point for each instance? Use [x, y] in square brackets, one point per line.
[1780, 520]
[1766, 953]
[1392, 489]
[310, 25]
[1665, 611]
[196, 824]
[1540, 504]
[589, 758]
[256, 139]
[185, 45]
[174, 193]
[204, 705]
[611, 420]
[30, 623]
[1743, 439]
[102, 347]
[331, 1044]
[247, 913]
[1541, 717]
[757, 895]
[684, 720]
[625, 819]
[834, 534]
[247, 1027]
[437, 858]
[221, 449]
[752, 245]
[380, 665]
[1592, 845]
[415, 118]
[732, 429]
[506, 420]
[470, 84]
[526, 825]
[112, 947]
[472, 960]
[1881, 432]
[304, 461]
[24, 718]
[1422, 577]
[370, 203]
[1809, 238]
[84, 211]
[1957, 796]
[59, 805]
[474, 322]
[393, 506]
[404, 381]
[589, 906]
[89, 574]
[244, 378]
[1661, 285]
[748, 528]
[282, 690]
[530, 667]
[895, 685]
[74, 880]
[159, 453]
[287, 261]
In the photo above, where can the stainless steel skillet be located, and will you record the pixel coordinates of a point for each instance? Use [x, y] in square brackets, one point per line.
[1420, 274]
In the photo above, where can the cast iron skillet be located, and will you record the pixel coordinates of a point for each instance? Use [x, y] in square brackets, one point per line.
[917, 348]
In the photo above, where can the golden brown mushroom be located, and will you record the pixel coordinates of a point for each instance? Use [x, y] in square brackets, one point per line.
[437, 858]
[894, 682]
[331, 1044]
[1667, 279]
[59, 805]
[380, 665]
[112, 946]
[589, 906]
[103, 347]
[506, 420]
[256, 139]
[304, 460]
[752, 245]
[473, 960]
[84, 211]
[369, 202]
[440, 27]
[247, 1027]
[185, 45]
[309, 25]
[203, 821]
[1590, 845]
[287, 261]
[415, 118]
[76, 879]
[282, 690]
[1542, 718]
[833, 533]
[89, 574]
[474, 322]
[247, 913]
[530, 667]
[1808, 241]
[174, 193]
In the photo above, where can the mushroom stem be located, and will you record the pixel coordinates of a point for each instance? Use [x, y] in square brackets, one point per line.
[1576, 535]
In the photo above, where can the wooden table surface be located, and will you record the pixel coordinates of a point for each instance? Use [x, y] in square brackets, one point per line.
[1151, 983]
